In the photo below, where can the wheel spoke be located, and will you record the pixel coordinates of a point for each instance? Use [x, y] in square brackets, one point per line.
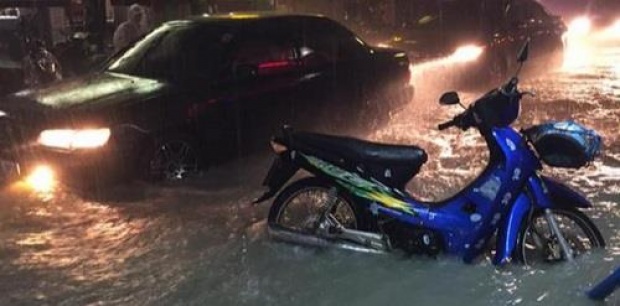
[303, 210]
[174, 161]
[182, 152]
[539, 242]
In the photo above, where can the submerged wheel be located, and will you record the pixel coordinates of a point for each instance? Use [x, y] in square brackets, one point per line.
[300, 206]
[537, 244]
[174, 159]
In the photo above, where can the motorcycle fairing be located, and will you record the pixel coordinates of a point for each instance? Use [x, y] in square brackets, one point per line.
[508, 233]
[517, 164]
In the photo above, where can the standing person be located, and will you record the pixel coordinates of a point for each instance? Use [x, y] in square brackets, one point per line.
[129, 30]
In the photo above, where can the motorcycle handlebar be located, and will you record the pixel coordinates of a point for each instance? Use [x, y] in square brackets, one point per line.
[467, 118]
[446, 125]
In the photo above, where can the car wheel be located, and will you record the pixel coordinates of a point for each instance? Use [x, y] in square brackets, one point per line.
[174, 158]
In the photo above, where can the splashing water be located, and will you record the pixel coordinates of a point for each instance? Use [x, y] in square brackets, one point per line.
[582, 41]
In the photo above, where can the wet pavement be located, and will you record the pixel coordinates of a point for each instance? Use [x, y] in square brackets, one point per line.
[202, 243]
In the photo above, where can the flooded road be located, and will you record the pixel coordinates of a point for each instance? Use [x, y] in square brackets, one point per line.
[202, 243]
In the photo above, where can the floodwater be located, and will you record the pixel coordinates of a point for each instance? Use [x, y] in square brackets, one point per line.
[202, 243]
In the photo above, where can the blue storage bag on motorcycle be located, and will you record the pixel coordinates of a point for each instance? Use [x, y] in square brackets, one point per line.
[565, 144]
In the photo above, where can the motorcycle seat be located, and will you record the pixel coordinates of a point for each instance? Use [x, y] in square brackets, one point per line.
[392, 164]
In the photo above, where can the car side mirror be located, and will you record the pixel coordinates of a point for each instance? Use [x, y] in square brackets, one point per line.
[524, 52]
[450, 98]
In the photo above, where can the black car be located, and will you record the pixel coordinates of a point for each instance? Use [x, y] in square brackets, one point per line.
[198, 91]
[435, 29]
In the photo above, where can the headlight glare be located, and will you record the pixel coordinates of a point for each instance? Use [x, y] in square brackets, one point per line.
[74, 139]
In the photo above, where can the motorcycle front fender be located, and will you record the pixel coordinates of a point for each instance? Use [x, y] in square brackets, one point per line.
[508, 233]
[560, 195]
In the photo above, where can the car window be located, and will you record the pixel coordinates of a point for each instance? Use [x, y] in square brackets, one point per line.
[164, 59]
[324, 41]
[266, 56]
[205, 55]
[179, 54]
[266, 48]
[528, 11]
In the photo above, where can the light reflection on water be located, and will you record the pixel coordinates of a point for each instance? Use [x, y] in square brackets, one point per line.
[204, 244]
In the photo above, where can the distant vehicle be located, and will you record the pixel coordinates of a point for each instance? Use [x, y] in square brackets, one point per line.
[429, 30]
[198, 91]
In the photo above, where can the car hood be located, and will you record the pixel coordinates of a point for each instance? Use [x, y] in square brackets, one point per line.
[91, 92]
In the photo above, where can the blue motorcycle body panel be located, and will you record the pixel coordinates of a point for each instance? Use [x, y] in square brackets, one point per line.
[492, 195]
[508, 233]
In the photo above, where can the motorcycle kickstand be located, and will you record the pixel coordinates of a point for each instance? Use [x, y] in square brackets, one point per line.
[553, 226]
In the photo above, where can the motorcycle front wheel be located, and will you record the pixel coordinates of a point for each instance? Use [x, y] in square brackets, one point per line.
[538, 244]
[299, 207]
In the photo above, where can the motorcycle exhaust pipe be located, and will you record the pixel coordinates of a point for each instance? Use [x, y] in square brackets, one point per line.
[289, 236]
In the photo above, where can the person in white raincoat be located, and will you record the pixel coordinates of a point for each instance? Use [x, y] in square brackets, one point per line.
[129, 30]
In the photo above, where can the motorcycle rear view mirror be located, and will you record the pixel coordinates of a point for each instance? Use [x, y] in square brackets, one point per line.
[450, 98]
[524, 52]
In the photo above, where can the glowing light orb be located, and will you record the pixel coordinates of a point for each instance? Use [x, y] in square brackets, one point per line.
[42, 179]
[467, 53]
[580, 26]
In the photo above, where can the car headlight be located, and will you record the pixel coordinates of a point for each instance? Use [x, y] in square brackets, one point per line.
[467, 53]
[74, 139]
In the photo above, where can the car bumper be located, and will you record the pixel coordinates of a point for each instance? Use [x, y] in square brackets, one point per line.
[69, 166]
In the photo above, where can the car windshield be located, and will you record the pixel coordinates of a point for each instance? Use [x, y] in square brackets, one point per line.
[178, 52]
[129, 61]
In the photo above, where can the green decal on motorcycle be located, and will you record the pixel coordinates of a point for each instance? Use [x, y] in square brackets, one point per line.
[361, 187]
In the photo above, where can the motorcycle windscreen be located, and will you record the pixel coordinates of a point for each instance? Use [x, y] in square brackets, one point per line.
[498, 110]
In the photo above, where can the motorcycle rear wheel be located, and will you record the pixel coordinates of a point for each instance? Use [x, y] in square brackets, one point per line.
[537, 244]
[299, 207]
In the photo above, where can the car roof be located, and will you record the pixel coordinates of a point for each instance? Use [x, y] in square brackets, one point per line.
[244, 17]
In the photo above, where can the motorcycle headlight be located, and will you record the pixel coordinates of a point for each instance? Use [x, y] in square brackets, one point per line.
[74, 139]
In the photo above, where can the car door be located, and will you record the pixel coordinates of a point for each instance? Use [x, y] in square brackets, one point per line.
[247, 93]
[336, 69]
[266, 69]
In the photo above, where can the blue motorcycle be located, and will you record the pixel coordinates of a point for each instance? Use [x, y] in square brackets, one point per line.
[356, 197]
